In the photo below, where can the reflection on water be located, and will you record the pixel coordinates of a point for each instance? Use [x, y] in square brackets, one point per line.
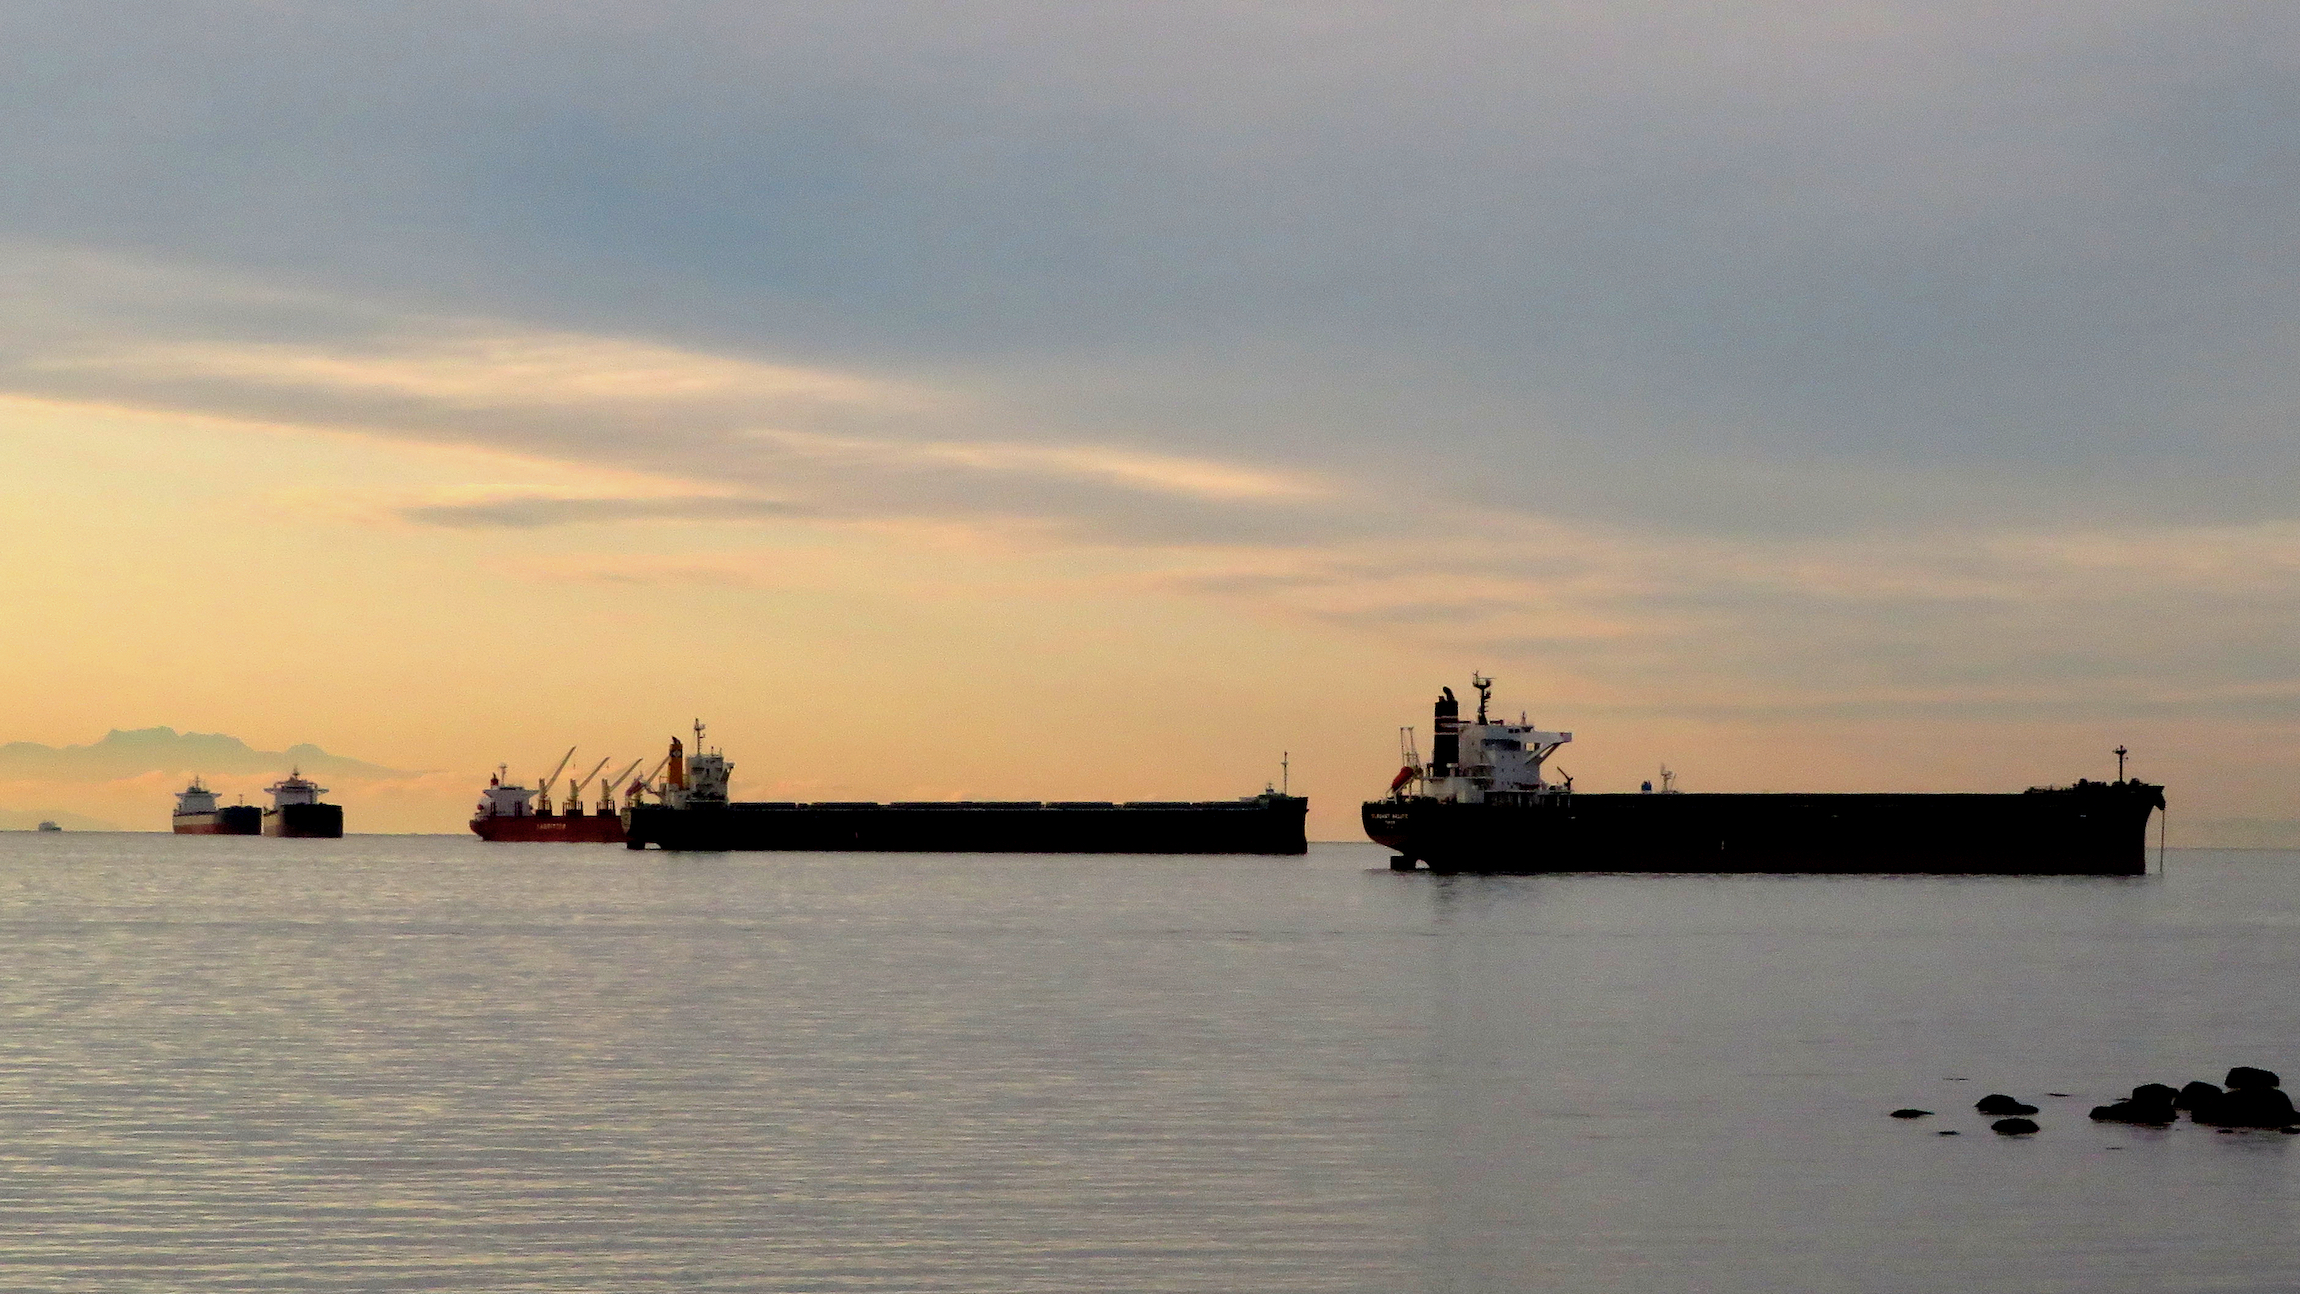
[427, 1063]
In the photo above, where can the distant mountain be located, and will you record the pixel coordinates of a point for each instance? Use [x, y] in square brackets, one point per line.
[164, 750]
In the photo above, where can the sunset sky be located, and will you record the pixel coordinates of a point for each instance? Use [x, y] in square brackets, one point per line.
[1094, 401]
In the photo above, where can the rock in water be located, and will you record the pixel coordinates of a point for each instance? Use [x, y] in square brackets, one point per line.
[2196, 1096]
[1910, 1114]
[2248, 1107]
[2146, 1113]
[1999, 1103]
[2013, 1127]
[2150, 1103]
[2246, 1078]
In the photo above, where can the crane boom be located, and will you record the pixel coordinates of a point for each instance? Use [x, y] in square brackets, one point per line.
[543, 792]
[617, 780]
[607, 787]
[649, 780]
[558, 768]
[575, 788]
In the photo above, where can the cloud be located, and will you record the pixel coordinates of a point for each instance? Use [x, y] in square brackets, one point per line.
[2128, 617]
[1784, 266]
[1150, 473]
[527, 512]
[1786, 356]
[686, 435]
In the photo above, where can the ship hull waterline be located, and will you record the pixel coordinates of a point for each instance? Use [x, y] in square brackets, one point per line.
[2097, 829]
[549, 828]
[232, 820]
[1266, 825]
[305, 822]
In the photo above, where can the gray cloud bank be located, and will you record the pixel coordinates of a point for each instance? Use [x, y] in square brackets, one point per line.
[1843, 355]
[1780, 266]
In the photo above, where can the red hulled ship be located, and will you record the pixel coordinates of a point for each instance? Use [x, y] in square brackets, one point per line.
[509, 812]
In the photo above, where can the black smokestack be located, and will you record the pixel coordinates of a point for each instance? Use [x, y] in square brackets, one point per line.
[1445, 746]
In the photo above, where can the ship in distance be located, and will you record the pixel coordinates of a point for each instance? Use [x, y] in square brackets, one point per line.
[691, 810]
[1483, 803]
[198, 814]
[296, 811]
[509, 812]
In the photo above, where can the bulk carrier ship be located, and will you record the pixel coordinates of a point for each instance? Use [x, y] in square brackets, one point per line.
[693, 812]
[198, 814]
[1482, 804]
[297, 813]
[509, 812]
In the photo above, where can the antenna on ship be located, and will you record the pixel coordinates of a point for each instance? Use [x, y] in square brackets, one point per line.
[1484, 688]
[698, 736]
[1285, 772]
[2121, 752]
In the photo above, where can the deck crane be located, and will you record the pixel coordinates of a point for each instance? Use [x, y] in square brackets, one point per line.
[647, 783]
[543, 796]
[607, 788]
[575, 786]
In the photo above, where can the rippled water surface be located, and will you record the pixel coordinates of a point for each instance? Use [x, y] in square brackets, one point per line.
[425, 1063]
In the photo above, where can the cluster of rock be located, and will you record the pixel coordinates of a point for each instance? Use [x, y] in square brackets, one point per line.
[2000, 1104]
[2253, 1099]
[2248, 1098]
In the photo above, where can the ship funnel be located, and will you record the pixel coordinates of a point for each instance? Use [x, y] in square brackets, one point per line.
[675, 775]
[1445, 745]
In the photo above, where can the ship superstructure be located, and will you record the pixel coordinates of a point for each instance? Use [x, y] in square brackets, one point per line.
[198, 814]
[297, 812]
[1484, 804]
[1484, 761]
[692, 810]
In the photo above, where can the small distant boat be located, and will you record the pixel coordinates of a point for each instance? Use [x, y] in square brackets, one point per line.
[297, 812]
[50, 826]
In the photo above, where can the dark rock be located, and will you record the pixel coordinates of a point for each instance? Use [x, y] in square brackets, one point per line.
[2195, 1095]
[1999, 1103]
[2150, 1104]
[1910, 1114]
[2244, 1078]
[2151, 1113]
[2013, 1127]
[2249, 1107]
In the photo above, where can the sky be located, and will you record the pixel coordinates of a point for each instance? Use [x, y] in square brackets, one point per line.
[1108, 401]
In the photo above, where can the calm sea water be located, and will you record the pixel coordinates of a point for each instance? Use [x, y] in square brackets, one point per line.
[425, 1063]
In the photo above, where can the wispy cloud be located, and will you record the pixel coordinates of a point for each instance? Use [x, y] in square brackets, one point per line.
[710, 437]
[527, 512]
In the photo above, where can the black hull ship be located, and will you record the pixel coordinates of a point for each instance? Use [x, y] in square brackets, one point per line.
[297, 813]
[693, 812]
[198, 814]
[1482, 805]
